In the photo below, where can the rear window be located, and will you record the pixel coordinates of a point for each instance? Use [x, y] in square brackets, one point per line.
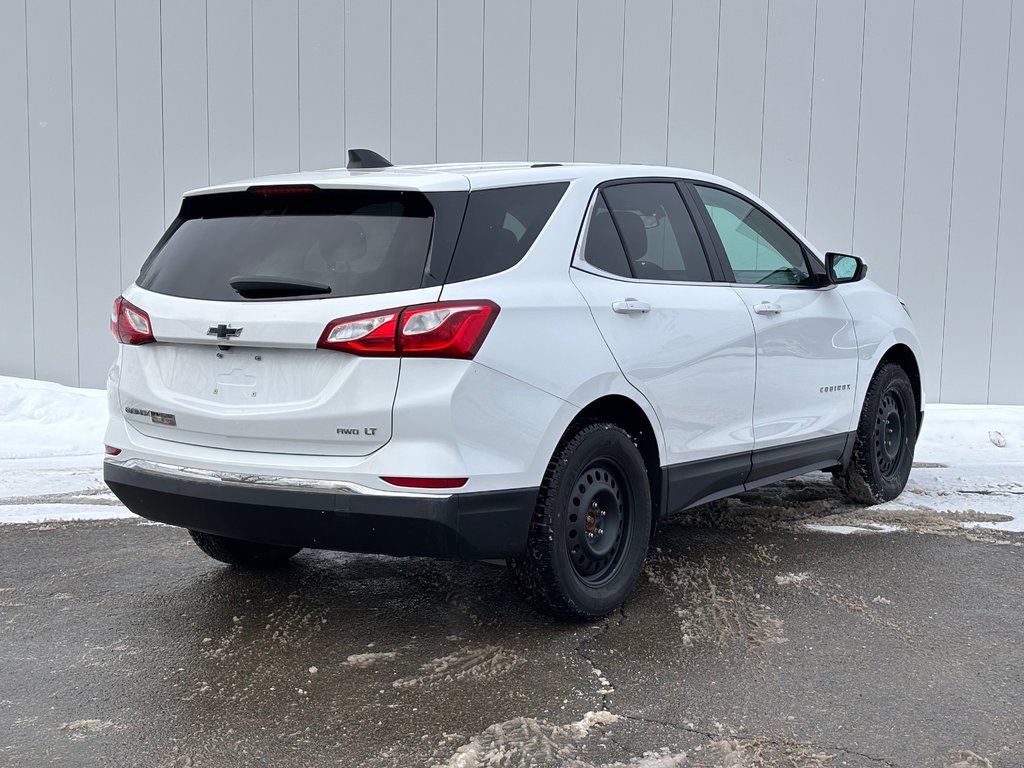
[355, 242]
[500, 226]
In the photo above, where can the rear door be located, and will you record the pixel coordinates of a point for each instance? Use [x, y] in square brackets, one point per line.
[239, 291]
[806, 346]
[684, 342]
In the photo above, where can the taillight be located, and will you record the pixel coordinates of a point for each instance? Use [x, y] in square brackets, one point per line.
[453, 329]
[129, 324]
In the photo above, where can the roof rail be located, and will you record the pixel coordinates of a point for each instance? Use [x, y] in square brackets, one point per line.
[365, 158]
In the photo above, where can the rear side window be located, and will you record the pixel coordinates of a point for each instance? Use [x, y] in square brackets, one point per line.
[353, 241]
[500, 226]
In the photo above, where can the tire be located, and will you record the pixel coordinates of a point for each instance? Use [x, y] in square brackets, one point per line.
[246, 554]
[590, 531]
[883, 452]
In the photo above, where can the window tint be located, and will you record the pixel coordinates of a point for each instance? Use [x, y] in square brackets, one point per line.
[355, 241]
[500, 226]
[660, 240]
[603, 248]
[759, 250]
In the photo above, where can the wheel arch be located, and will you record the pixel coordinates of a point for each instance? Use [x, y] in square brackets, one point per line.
[903, 356]
[631, 417]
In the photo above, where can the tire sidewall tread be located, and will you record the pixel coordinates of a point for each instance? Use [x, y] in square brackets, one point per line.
[545, 574]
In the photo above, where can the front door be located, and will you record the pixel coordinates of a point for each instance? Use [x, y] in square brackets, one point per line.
[806, 346]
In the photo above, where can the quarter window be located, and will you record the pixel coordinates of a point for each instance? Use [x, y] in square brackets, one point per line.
[758, 249]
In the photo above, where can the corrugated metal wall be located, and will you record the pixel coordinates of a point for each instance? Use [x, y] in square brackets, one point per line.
[890, 128]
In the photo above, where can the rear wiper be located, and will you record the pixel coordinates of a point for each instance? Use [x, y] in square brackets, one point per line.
[259, 287]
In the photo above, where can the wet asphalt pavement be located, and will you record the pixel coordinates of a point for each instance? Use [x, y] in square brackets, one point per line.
[122, 645]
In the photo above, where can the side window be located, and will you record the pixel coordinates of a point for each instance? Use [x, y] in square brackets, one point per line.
[660, 240]
[499, 227]
[759, 250]
[603, 248]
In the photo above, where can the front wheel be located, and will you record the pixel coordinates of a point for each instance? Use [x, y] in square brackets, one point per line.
[591, 528]
[883, 452]
[247, 554]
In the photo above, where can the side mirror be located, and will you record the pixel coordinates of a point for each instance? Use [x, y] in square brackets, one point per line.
[843, 268]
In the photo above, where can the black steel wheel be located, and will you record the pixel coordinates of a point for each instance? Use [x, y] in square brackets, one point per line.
[589, 536]
[883, 452]
[597, 529]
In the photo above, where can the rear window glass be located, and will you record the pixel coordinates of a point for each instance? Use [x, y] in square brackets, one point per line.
[500, 226]
[353, 241]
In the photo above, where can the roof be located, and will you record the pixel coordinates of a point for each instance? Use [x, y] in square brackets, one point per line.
[457, 176]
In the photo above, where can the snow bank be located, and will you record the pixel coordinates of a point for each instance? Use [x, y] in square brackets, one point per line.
[51, 453]
[39, 419]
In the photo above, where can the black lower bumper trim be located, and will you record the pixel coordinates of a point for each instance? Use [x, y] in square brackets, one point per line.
[472, 526]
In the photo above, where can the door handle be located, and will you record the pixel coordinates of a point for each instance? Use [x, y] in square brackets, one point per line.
[631, 307]
[767, 308]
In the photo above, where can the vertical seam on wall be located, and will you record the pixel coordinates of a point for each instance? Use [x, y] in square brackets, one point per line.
[764, 92]
[668, 112]
[860, 117]
[906, 152]
[298, 81]
[117, 153]
[437, 56]
[31, 238]
[529, 76]
[206, 52]
[999, 210]
[483, 73]
[718, 71]
[163, 138]
[391, 77]
[810, 116]
[576, 83]
[622, 75]
[952, 181]
[74, 195]
[252, 77]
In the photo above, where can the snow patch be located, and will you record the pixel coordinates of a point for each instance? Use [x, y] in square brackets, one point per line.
[481, 662]
[791, 578]
[364, 660]
[83, 729]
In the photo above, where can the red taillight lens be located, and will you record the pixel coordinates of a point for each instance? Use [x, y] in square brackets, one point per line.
[450, 329]
[453, 329]
[111, 451]
[426, 482]
[129, 324]
[370, 334]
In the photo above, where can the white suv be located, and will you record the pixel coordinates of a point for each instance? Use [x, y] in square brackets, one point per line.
[530, 362]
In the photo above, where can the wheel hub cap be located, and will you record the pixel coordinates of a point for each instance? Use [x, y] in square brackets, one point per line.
[890, 433]
[596, 522]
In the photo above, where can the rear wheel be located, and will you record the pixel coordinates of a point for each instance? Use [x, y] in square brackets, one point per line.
[883, 453]
[590, 532]
[247, 554]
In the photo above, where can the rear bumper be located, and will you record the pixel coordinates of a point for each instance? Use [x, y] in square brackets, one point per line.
[491, 524]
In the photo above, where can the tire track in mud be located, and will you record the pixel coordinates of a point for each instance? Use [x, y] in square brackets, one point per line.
[792, 505]
[479, 663]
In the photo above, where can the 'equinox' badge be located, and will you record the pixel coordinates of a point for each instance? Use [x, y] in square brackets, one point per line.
[223, 331]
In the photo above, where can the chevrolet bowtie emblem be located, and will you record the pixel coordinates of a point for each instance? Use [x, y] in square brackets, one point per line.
[223, 331]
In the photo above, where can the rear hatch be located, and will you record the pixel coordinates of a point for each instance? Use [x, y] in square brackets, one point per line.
[238, 293]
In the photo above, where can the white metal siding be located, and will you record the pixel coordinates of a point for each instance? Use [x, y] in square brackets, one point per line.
[892, 128]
